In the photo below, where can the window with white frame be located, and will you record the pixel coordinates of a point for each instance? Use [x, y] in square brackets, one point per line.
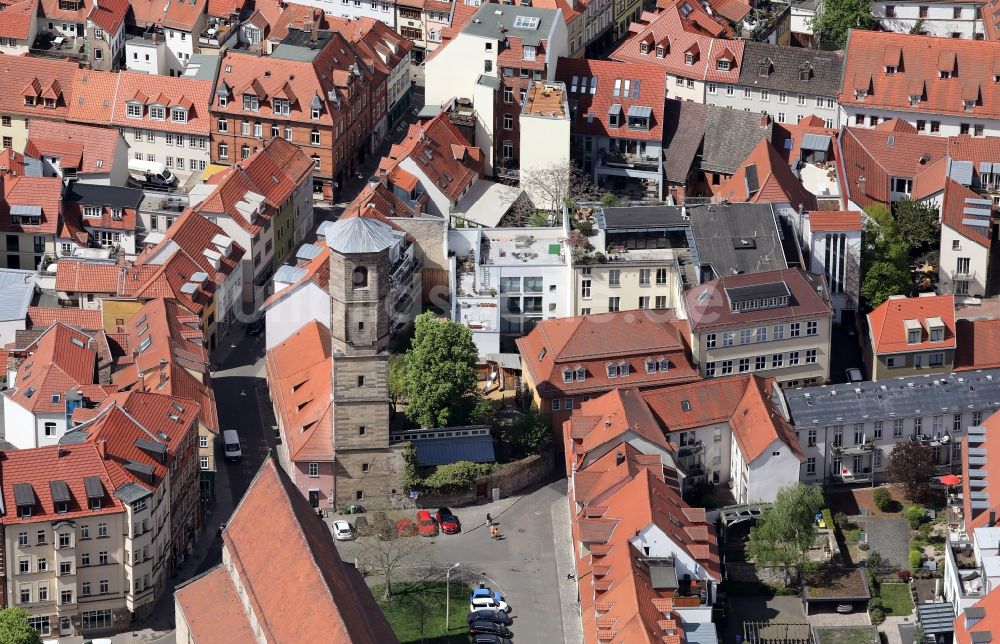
[313, 470]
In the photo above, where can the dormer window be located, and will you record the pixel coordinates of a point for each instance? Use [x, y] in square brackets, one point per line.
[722, 65]
[937, 335]
[62, 507]
[944, 73]
[615, 115]
[860, 94]
[805, 72]
[650, 366]
[612, 370]
[314, 114]
[914, 331]
[178, 115]
[890, 69]
[50, 103]
[969, 105]
[567, 375]
[689, 59]
[623, 369]
[913, 336]
[251, 102]
[914, 100]
[661, 51]
[223, 100]
[282, 106]
[91, 211]
[644, 48]
[581, 374]
[29, 100]
[157, 112]
[133, 110]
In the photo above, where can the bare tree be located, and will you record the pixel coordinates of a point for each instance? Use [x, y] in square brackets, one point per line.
[385, 552]
[556, 184]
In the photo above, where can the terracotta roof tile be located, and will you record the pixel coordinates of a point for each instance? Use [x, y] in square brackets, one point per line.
[60, 360]
[52, 11]
[338, 608]
[109, 15]
[591, 342]
[198, 601]
[45, 316]
[16, 19]
[889, 333]
[757, 423]
[831, 220]
[183, 15]
[92, 148]
[298, 376]
[970, 63]
[41, 192]
[978, 344]
[953, 215]
[23, 73]
[622, 84]
[764, 177]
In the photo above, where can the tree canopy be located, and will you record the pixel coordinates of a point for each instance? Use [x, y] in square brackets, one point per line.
[884, 257]
[839, 17]
[786, 531]
[917, 223]
[912, 465]
[440, 374]
[14, 627]
[528, 432]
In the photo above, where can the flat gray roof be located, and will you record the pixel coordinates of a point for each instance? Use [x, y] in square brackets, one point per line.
[894, 398]
[491, 16]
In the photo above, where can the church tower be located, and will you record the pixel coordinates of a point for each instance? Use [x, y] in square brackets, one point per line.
[367, 469]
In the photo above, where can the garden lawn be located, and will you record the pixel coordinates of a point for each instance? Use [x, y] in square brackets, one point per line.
[416, 612]
[897, 599]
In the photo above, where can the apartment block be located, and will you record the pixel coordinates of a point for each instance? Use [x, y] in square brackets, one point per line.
[910, 336]
[941, 19]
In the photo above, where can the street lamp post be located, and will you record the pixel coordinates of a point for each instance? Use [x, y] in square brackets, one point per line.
[447, 597]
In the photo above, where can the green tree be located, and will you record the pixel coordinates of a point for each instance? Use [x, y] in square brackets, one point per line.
[14, 627]
[528, 432]
[918, 28]
[786, 531]
[882, 280]
[917, 223]
[839, 17]
[397, 379]
[884, 258]
[386, 551]
[440, 380]
[912, 465]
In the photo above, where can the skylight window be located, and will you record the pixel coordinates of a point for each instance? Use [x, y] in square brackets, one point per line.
[145, 344]
[526, 22]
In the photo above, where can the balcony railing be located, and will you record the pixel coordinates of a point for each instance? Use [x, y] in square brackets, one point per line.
[860, 448]
[630, 160]
[689, 448]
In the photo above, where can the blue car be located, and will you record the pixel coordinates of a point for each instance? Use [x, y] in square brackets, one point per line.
[485, 592]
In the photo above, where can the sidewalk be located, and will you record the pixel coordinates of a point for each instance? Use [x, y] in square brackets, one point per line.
[568, 602]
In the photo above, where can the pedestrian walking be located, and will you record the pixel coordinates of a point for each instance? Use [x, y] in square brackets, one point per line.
[489, 520]
[494, 532]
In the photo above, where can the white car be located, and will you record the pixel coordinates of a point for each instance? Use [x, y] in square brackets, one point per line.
[480, 603]
[342, 531]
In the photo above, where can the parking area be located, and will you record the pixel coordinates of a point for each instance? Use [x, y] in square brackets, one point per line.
[521, 565]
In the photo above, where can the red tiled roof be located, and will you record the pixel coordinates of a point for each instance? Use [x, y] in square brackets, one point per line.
[605, 419]
[281, 17]
[432, 147]
[43, 192]
[681, 36]
[775, 182]
[182, 15]
[336, 605]
[16, 19]
[46, 316]
[708, 401]
[592, 342]
[109, 15]
[972, 64]
[24, 75]
[100, 99]
[834, 220]
[757, 423]
[274, 173]
[60, 360]
[92, 148]
[622, 84]
[952, 213]
[983, 628]
[11, 163]
[68, 463]
[978, 344]
[226, 8]
[889, 335]
[298, 377]
[52, 11]
[199, 600]
[708, 305]
[380, 45]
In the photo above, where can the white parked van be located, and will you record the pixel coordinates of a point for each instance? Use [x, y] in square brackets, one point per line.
[151, 173]
[231, 445]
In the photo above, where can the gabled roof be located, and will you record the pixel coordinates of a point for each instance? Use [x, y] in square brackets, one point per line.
[83, 319]
[377, 42]
[299, 379]
[273, 174]
[871, 158]
[791, 69]
[696, 404]
[606, 89]
[441, 153]
[109, 15]
[52, 10]
[887, 323]
[757, 423]
[16, 19]
[834, 220]
[182, 15]
[36, 196]
[72, 465]
[764, 177]
[336, 605]
[62, 359]
[605, 420]
[592, 342]
[971, 65]
[90, 150]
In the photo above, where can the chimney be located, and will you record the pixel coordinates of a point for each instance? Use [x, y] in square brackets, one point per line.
[765, 120]
[314, 33]
[102, 448]
[619, 458]
[163, 377]
[993, 518]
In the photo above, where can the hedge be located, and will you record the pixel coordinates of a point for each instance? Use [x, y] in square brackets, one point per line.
[916, 560]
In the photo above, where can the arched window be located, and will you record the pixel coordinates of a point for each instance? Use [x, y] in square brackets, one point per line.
[360, 277]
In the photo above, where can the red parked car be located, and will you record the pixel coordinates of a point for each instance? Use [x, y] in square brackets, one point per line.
[449, 522]
[426, 524]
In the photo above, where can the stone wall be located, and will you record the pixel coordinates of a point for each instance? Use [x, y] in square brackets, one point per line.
[511, 478]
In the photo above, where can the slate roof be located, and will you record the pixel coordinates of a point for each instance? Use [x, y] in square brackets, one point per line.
[475, 449]
[719, 233]
[359, 235]
[823, 67]
[684, 129]
[730, 136]
[954, 392]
